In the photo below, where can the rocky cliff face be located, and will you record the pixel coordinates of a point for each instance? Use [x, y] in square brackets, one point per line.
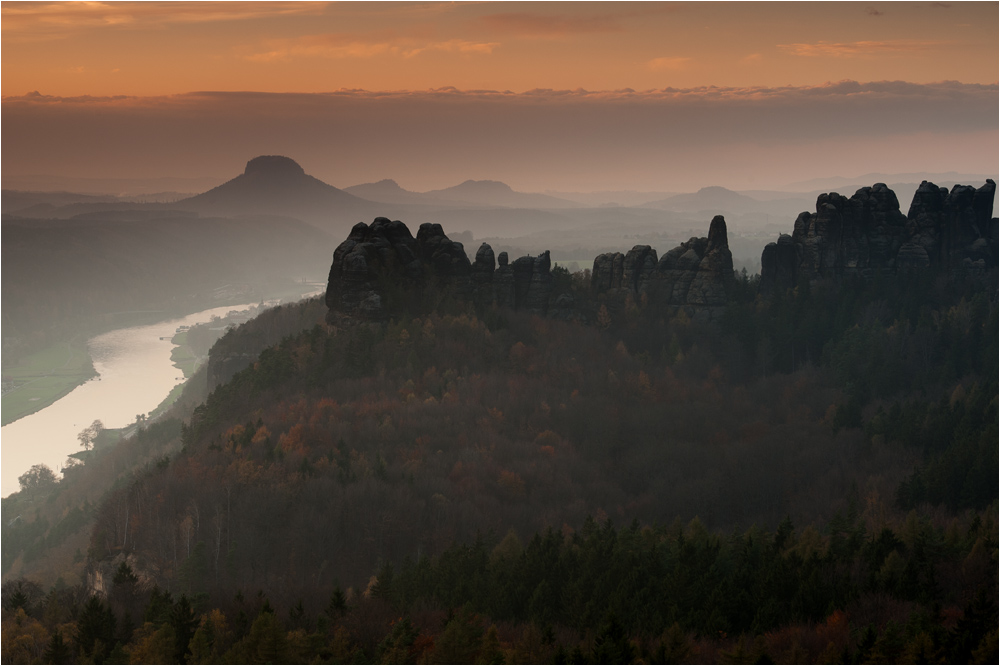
[694, 276]
[382, 268]
[951, 231]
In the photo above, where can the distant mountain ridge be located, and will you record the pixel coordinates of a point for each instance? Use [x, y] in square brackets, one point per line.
[705, 198]
[495, 193]
[471, 192]
[277, 185]
[386, 190]
[716, 200]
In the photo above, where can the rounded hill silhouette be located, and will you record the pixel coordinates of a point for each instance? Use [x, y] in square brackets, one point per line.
[277, 185]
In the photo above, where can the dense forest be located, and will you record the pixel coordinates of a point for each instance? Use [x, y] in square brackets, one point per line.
[809, 478]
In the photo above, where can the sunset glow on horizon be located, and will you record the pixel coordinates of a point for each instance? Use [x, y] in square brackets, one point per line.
[70, 49]
[888, 69]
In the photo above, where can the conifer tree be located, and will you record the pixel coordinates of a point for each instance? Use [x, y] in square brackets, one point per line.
[95, 630]
[57, 652]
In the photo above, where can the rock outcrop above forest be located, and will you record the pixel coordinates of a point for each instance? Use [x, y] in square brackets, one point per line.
[946, 231]
[695, 276]
[382, 268]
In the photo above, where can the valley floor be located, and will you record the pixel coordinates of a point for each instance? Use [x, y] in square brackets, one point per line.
[43, 377]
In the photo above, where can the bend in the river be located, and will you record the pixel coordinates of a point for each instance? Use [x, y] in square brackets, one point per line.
[135, 374]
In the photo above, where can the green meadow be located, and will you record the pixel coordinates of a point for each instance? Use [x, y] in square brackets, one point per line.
[41, 378]
[182, 355]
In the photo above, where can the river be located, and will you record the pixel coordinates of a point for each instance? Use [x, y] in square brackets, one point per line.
[134, 376]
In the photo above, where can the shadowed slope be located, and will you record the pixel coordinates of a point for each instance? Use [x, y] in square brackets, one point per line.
[272, 184]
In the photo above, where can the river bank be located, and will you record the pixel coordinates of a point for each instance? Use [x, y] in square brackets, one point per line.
[43, 377]
[135, 374]
[34, 381]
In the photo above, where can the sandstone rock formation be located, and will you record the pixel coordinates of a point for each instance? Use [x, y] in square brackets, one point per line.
[955, 230]
[532, 283]
[951, 231]
[695, 275]
[381, 268]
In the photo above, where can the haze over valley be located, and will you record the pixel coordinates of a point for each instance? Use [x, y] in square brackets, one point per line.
[522, 221]
[500, 332]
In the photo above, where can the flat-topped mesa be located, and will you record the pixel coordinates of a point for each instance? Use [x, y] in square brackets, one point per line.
[274, 166]
[381, 269]
[943, 230]
[695, 276]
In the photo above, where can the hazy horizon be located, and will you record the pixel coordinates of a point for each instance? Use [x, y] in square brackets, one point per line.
[541, 96]
[135, 188]
[740, 139]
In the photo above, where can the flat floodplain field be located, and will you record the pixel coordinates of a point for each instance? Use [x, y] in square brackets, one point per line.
[182, 356]
[40, 379]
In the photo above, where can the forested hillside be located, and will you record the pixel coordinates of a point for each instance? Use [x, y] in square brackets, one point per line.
[812, 478]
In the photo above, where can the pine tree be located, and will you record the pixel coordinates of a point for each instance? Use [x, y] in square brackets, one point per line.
[95, 630]
[184, 622]
[612, 645]
[57, 652]
[337, 605]
[159, 607]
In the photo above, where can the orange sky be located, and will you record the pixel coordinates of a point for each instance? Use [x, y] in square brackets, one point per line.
[681, 95]
[150, 48]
